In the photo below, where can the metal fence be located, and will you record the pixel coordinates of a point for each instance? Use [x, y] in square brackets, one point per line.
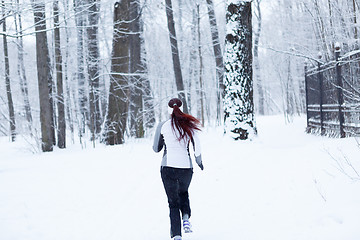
[333, 96]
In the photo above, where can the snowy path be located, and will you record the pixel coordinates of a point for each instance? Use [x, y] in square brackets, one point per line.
[274, 187]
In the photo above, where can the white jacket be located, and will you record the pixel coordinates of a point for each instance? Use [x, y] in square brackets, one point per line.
[176, 153]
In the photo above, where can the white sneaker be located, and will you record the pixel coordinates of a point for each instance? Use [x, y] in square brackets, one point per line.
[187, 226]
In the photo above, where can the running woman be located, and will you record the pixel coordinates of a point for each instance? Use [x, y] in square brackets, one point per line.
[175, 136]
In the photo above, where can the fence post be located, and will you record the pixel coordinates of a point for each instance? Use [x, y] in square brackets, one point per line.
[320, 79]
[339, 89]
[306, 98]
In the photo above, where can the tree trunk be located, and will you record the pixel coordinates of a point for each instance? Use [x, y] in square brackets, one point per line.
[175, 55]
[83, 101]
[201, 67]
[332, 29]
[193, 63]
[61, 128]
[290, 98]
[44, 77]
[21, 65]
[136, 107]
[355, 21]
[258, 79]
[149, 111]
[93, 67]
[67, 62]
[217, 54]
[7, 79]
[118, 95]
[327, 53]
[238, 99]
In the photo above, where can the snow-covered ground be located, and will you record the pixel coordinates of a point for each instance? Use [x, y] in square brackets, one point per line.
[283, 185]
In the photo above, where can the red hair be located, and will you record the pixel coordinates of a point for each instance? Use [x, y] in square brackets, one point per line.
[184, 123]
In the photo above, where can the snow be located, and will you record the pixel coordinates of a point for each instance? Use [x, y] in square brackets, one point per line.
[283, 185]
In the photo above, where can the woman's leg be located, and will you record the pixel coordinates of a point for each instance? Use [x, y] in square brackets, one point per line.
[171, 185]
[184, 183]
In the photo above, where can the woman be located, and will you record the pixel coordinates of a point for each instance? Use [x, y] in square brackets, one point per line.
[176, 166]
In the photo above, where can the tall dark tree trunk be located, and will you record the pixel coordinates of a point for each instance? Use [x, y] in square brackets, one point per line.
[93, 67]
[218, 56]
[21, 65]
[238, 99]
[44, 77]
[136, 107]
[180, 38]
[82, 96]
[175, 55]
[7, 78]
[119, 91]
[61, 127]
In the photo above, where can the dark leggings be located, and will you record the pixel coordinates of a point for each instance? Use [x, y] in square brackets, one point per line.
[176, 183]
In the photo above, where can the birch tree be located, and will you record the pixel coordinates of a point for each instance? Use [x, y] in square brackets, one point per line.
[61, 126]
[238, 99]
[200, 84]
[66, 72]
[81, 78]
[21, 64]
[194, 63]
[258, 80]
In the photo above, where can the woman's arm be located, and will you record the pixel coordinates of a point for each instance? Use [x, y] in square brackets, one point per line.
[197, 150]
[158, 138]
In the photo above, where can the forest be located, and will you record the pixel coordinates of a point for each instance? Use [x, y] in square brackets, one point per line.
[93, 71]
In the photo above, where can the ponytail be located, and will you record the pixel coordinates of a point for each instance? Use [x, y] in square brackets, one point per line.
[184, 123]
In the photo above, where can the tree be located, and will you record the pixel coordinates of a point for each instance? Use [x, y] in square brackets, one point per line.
[200, 84]
[82, 97]
[7, 78]
[217, 54]
[61, 128]
[238, 99]
[175, 54]
[21, 64]
[117, 113]
[148, 99]
[259, 83]
[93, 67]
[67, 63]
[355, 21]
[136, 70]
[44, 77]
[194, 67]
